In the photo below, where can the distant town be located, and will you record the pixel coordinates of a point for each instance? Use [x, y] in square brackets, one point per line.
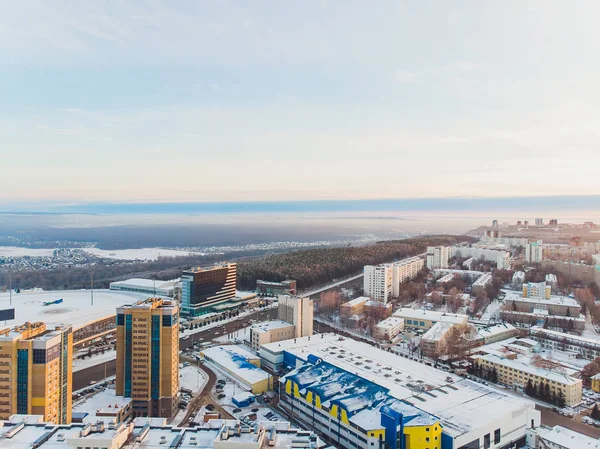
[484, 340]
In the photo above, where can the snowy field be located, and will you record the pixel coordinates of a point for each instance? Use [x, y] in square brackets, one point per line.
[76, 308]
[138, 254]
[16, 251]
[192, 378]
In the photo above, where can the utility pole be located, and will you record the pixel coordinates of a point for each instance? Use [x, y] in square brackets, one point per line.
[92, 287]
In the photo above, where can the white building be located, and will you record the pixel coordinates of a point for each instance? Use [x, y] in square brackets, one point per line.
[425, 319]
[552, 281]
[297, 311]
[269, 332]
[539, 222]
[587, 348]
[500, 258]
[437, 257]
[534, 252]
[518, 279]
[405, 270]
[482, 282]
[146, 286]
[378, 281]
[389, 328]
[558, 437]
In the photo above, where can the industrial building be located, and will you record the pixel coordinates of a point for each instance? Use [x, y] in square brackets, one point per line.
[25, 432]
[148, 287]
[148, 356]
[360, 396]
[242, 365]
[437, 257]
[36, 372]
[274, 289]
[202, 289]
[425, 319]
[559, 437]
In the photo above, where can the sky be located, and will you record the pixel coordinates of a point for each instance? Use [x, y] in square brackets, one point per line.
[193, 101]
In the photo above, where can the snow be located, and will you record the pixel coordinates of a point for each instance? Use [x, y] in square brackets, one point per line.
[97, 359]
[235, 359]
[492, 311]
[562, 437]
[139, 253]
[192, 378]
[75, 310]
[16, 251]
[103, 400]
[415, 314]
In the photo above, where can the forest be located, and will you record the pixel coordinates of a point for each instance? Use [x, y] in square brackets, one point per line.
[318, 266]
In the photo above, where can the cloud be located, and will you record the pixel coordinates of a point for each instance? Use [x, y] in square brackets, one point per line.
[406, 77]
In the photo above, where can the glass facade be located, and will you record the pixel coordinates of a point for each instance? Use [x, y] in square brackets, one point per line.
[155, 357]
[128, 356]
[22, 380]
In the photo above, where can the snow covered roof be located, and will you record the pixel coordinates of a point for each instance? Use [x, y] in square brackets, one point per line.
[513, 295]
[356, 301]
[437, 331]
[430, 315]
[75, 309]
[528, 368]
[390, 322]
[457, 402]
[496, 330]
[267, 326]
[236, 359]
[563, 437]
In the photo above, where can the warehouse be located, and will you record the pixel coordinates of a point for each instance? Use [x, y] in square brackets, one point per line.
[365, 393]
[149, 287]
[242, 365]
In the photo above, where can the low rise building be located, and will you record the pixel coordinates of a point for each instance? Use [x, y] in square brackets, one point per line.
[388, 328]
[513, 372]
[500, 258]
[481, 283]
[269, 332]
[274, 289]
[495, 333]
[425, 319]
[150, 287]
[595, 383]
[353, 311]
[433, 343]
[587, 348]
[559, 437]
[538, 290]
[242, 365]
[558, 306]
[445, 279]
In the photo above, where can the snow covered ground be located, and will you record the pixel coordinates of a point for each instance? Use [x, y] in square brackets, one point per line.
[492, 311]
[79, 364]
[192, 378]
[16, 251]
[139, 253]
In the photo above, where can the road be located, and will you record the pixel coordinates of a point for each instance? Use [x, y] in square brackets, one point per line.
[82, 378]
[551, 419]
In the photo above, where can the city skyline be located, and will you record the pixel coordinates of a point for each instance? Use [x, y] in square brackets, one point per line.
[144, 102]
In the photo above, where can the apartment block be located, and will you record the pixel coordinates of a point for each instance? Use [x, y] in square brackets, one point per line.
[482, 282]
[534, 252]
[378, 281]
[513, 373]
[297, 311]
[539, 290]
[437, 257]
[36, 372]
[405, 270]
[499, 257]
[148, 356]
[202, 289]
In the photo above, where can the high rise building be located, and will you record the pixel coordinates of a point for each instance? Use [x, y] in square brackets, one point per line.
[437, 257]
[297, 311]
[539, 222]
[147, 356]
[204, 288]
[378, 281]
[36, 367]
[534, 252]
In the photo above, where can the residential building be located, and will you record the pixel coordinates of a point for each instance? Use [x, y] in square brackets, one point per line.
[562, 306]
[513, 372]
[482, 282]
[586, 348]
[269, 332]
[361, 396]
[495, 333]
[36, 367]
[150, 287]
[297, 311]
[437, 257]
[378, 281]
[352, 313]
[559, 437]
[204, 288]
[433, 342]
[499, 257]
[388, 328]
[148, 356]
[596, 383]
[552, 281]
[518, 280]
[274, 289]
[534, 252]
[446, 279]
[405, 270]
[425, 319]
[537, 290]
[539, 222]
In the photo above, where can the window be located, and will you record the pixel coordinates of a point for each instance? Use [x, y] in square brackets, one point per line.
[408, 321]
[496, 436]
[422, 323]
[486, 441]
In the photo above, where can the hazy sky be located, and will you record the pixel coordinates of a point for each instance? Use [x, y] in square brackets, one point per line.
[267, 100]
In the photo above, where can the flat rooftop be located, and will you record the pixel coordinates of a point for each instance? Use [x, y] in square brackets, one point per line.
[564, 437]
[418, 314]
[513, 295]
[390, 322]
[75, 309]
[267, 326]
[236, 360]
[146, 283]
[456, 401]
[356, 301]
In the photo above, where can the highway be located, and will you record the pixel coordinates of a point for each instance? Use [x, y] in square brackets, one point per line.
[82, 378]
